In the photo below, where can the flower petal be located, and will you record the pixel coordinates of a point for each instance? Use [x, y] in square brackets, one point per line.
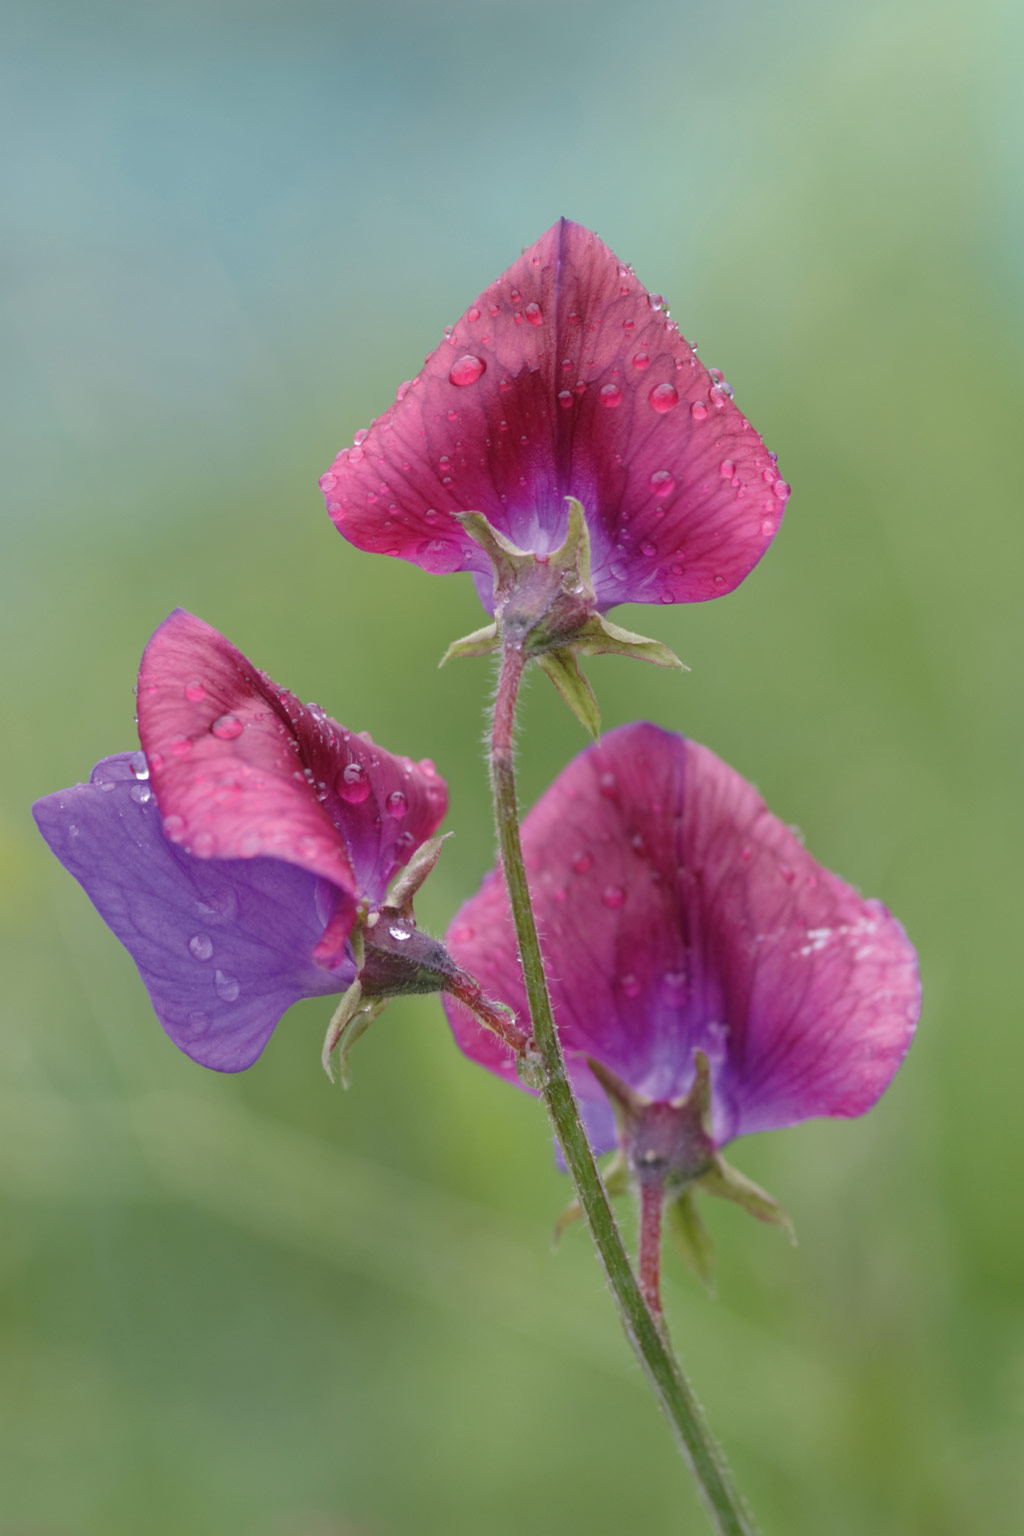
[566, 378]
[223, 946]
[677, 913]
[241, 768]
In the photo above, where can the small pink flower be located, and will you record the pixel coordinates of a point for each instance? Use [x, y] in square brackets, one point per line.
[678, 915]
[566, 378]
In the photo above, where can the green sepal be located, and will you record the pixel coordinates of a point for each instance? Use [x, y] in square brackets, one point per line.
[355, 1028]
[415, 872]
[564, 671]
[691, 1237]
[729, 1184]
[341, 1018]
[598, 636]
[615, 1178]
[482, 642]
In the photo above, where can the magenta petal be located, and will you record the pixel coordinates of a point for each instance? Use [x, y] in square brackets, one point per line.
[241, 768]
[223, 946]
[677, 913]
[566, 378]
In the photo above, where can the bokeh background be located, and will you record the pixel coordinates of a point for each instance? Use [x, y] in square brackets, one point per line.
[259, 1305]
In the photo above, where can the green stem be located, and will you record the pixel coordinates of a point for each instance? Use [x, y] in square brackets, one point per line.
[646, 1334]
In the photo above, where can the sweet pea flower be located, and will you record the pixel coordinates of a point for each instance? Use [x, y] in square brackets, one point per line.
[566, 380]
[708, 977]
[243, 857]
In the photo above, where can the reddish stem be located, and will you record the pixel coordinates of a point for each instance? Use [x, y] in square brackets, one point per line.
[649, 1264]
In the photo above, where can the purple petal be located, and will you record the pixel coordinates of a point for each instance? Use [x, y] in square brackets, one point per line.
[676, 912]
[224, 947]
[566, 378]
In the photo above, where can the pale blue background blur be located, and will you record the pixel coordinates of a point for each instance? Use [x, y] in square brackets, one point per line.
[257, 1305]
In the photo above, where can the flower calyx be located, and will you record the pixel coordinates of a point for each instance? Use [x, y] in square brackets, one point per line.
[668, 1146]
[393, 958]
[545, 607]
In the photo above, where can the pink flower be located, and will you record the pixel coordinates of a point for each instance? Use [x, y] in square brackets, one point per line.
[566, 378]
[677, 916]
[235, 854]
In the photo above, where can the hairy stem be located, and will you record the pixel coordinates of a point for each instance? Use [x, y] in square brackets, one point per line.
[649, 1259]
[643, 1326]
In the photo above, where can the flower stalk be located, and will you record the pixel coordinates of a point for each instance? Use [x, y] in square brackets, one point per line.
[642, 1323]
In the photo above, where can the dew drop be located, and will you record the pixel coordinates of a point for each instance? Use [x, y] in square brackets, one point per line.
[174, 829]
[226, 986]
[181, 746]
[462, 934]
[466, 370]
[664, 397]
[662, 483]
[698, 410]
[608, 784]
[353, 783]
[613, 896]
[533, 314]
[473, 314]
[641, 360]
[195, 692]
[727, 469]
[200, 946]
[227, 727]
[610, 395]
[582, 862]
[630, 986]
[141, 793]
[203, 845]
[565, 398]
[397, 804]
[360, 437]
[139, 766]
[781, 489]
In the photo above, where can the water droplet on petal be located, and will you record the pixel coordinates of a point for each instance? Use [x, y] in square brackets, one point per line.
[139, 766]
[630, 986]
[181, 746]
[473, 314]
[467, 369]
[641, 360]
[727, 469]
[582, 862]
[462, 934]
[353, 783]
[174, 829]
[781, 489]
[608, 784]
[613, 896]
[664, 397]
[662, 483]
[610, 395]
[565, 398]
[227, 727]
[200, 946]
[194, 692]
[698, 410]
[361, 436]
[141, 793]
[226, 986]
[533, 314]
[203, 845]
[648, 549]
[397, 804]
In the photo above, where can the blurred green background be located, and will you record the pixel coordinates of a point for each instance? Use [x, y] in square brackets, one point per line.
[258, 1305]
